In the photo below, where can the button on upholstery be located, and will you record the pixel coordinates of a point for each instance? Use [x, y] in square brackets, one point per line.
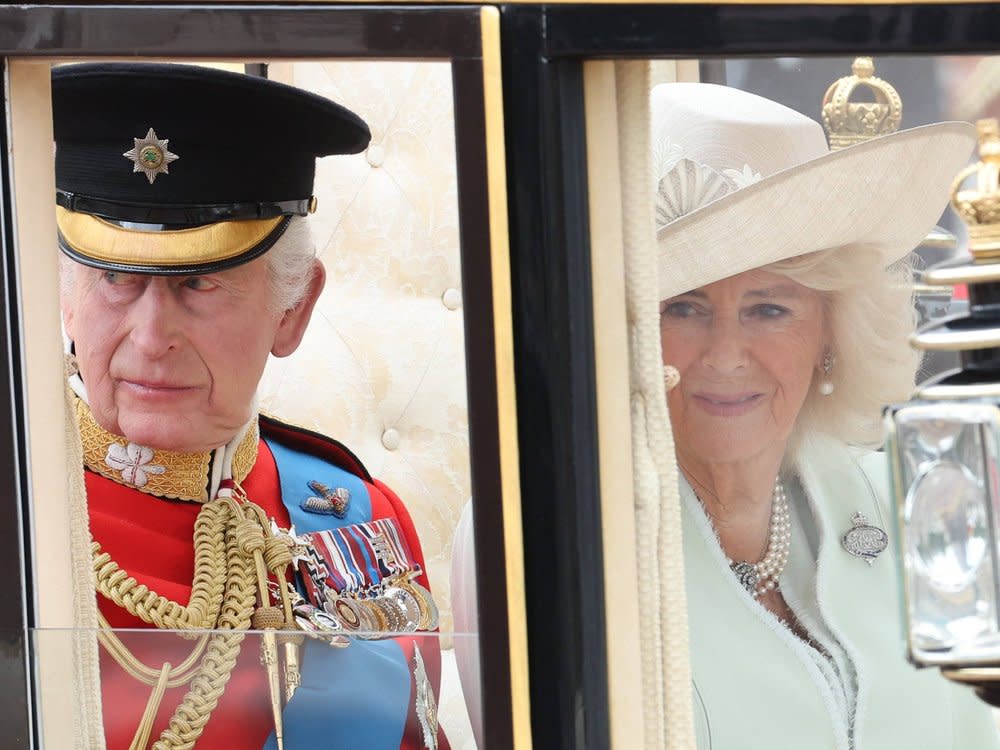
[390, 439]
[452, 299]
[375, 155]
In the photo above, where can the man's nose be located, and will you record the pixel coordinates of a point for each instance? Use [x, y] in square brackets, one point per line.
[725, 347]
[155, 320]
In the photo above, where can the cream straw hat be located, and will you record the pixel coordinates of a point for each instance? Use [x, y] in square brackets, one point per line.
[743, 181]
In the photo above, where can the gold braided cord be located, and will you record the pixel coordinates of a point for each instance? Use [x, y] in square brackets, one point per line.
[209, 683]
[223, 595]
[176, 677]
[206, 590]
[152, 705]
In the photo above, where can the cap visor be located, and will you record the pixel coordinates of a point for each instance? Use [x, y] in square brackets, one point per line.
[212, 247]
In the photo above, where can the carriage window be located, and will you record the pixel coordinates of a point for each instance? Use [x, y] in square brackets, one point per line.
[772, 214]
[300, 223]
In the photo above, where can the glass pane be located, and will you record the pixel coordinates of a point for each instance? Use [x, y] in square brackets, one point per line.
[948, 457]
[371, 527]
[224, 688]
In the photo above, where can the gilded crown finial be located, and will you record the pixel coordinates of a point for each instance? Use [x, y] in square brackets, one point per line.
[863, 67]
[848, 122]
[979, 207]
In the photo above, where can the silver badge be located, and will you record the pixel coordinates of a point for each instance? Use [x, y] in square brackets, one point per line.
[426, 705]
[328, 502]
[864, 540]
[150, 156]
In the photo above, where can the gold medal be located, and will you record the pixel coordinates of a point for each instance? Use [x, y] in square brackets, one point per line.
[429, 616]
[348, 612]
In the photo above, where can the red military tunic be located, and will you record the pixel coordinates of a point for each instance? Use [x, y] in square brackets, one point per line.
[150, 538]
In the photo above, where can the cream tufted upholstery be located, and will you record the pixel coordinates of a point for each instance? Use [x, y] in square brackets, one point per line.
[382, 365]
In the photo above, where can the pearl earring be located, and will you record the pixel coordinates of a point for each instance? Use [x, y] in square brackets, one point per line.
[826, 385]
[671, 377]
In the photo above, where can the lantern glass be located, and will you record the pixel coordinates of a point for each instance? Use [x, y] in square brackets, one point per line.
[945, 481]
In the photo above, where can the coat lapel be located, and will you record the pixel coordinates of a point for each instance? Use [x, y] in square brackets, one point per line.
[755, 686]
[860, 603]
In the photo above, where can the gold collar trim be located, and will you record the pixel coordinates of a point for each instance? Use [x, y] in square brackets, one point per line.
[181, 476]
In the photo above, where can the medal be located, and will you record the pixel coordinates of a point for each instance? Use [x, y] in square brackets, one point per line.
[408, 606]
[318, 623]
[348, 612]
[395, 619]
[363, 576]
[429, 616]
[864, 540]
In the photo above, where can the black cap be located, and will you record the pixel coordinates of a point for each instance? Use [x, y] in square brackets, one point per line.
[174, 147]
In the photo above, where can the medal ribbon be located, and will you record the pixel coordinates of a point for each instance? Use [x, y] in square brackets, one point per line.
[384, 533]
[315, 573]
[355, 559]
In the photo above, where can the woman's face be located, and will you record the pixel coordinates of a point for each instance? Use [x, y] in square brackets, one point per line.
[746, 348]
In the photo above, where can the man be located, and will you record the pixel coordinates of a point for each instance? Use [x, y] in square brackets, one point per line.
[181, 195]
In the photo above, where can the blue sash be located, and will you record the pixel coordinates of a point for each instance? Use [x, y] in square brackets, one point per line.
[353, 698]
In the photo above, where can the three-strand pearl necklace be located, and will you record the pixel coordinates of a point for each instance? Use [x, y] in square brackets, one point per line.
[760, 577]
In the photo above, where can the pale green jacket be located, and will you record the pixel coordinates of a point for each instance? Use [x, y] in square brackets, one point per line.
[756, 685]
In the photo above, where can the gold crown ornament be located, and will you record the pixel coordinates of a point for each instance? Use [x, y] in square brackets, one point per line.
[849, 122]
[979, 207]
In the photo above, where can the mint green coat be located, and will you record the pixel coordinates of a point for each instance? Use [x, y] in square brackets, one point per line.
[756, 685]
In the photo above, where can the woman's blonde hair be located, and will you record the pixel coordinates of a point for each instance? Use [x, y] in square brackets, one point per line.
[869, 316]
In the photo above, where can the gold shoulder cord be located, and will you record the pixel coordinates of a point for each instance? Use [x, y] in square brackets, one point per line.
[234, 553]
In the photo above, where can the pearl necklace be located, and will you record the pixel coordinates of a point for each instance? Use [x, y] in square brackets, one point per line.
[760, 577]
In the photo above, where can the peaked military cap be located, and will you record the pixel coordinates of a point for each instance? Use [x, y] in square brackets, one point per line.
[182, 169]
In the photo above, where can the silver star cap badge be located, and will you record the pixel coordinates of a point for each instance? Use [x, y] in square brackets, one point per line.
[150, 156]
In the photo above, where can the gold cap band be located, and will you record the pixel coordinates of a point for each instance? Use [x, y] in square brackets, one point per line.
[102, 243]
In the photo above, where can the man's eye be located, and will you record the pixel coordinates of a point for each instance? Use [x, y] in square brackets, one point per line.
[199, 283]
[117, 278]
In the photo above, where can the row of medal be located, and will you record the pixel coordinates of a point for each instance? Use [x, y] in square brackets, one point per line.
[402, 606]
[360, 580]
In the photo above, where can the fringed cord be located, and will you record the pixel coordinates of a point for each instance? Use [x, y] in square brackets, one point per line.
[663, 606]
[88, 719]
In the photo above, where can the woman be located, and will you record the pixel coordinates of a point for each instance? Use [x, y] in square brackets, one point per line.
[789, 334]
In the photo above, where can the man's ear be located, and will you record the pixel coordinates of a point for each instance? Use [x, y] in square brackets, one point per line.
[67, 293]
[294, 322]
[66, 308]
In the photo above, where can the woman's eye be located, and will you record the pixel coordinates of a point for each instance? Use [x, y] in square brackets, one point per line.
[678, 310]
[769, 311]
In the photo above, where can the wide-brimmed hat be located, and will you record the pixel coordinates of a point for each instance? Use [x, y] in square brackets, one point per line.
[181, 169]
[743, 182]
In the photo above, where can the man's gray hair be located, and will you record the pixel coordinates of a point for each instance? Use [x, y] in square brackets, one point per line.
[290, 265]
